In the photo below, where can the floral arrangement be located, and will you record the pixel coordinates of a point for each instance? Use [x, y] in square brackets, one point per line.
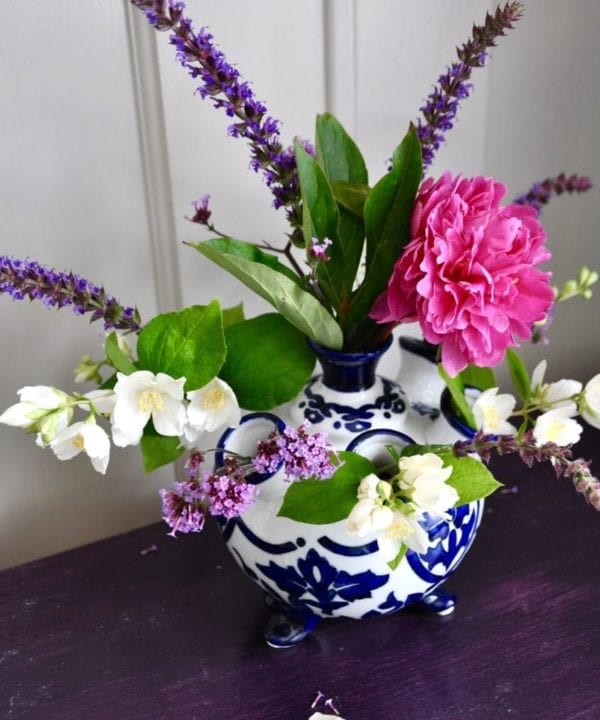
[359, 259]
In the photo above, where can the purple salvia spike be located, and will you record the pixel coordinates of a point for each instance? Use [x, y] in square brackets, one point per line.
[27, 278]
[222, 84]
[440, 109]
[542, 192]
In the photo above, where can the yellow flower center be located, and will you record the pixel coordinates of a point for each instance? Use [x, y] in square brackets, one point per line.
[553, 431]
[78, 442]
[150, 400]
[491, 416]
[213, 400]
[400, 529]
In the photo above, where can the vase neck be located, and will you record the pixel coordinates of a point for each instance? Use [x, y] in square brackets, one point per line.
[348, 372]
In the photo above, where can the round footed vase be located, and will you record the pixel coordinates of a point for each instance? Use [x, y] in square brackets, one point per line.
[311, 571]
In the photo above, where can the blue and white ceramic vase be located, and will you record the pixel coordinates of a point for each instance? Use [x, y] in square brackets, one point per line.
[311, 571]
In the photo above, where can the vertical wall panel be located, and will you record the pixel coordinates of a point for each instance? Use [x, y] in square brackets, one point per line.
[71, 196]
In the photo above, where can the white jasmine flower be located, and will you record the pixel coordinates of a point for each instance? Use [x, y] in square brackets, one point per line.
[423, 478]
[553, 395]
[491, 412]
[84, 437]
[141, 396]
[35, 402]
[371, 488]
[557, 426]
[368, 517]
[213, 406]
[589, 406]
[413, 466]
[403, 530]
[102, 400]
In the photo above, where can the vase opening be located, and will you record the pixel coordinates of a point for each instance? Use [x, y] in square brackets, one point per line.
[348, 371]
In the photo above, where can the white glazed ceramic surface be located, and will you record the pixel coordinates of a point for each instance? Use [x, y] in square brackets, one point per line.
[321, 569]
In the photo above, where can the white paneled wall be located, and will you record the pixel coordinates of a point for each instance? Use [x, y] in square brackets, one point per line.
[103, 146]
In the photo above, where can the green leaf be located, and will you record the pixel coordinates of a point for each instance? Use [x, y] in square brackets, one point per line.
[319, 209]
[268, 361]
[518, 375]
[398, 559]
[233, 315]
[336, 277]
[188, 343]
[297, 305]
[388, 210]
[470, 478]
[352, 196]
[158, 450]
[119, 360]
[337, 153]
[480, 378]
[456, 388]
[346, 172]
[393, 451]
[327, 501]
[409, 450]
[230, 246]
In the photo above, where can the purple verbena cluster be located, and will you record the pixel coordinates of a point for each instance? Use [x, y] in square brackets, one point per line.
[28, 279]
[440, 109]
[542, 192]
[530, 452]
[182, 508]
[223, 493]
[222, 83]
[302, 454]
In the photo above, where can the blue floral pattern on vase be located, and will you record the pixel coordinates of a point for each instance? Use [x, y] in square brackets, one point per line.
[354, 419]
[321, 570]
[316, 583]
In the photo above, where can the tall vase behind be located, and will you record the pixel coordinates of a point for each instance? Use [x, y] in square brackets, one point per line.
[310, 571]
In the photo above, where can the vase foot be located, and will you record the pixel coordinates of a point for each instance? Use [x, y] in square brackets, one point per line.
[287, 627]
[436, 603]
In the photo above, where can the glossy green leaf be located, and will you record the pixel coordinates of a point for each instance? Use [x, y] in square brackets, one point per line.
[337, 153]
[158, 450]
[480, 378]
[351, 196]
[470, 478]
[518, 375]
[297, 305]
[327, 501]
[319, 209]
[238, 248]
[456, 388]
[188, 343]
[119, 360]
[388, 210]
[268, 361]
[233, 315]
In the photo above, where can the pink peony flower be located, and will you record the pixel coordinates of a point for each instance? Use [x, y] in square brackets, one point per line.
[469, 273]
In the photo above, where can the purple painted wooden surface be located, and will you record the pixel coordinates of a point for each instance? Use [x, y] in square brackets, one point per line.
[104, 633]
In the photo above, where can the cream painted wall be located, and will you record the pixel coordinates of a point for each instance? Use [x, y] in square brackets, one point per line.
[86, 182]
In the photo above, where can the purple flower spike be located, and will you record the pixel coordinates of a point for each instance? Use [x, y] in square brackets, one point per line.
[182, 508]
[440, 109]
[27, 278]
[542, 192]
[222, 84]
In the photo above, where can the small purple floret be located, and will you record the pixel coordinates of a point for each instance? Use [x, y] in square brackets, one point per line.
[303, 455]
